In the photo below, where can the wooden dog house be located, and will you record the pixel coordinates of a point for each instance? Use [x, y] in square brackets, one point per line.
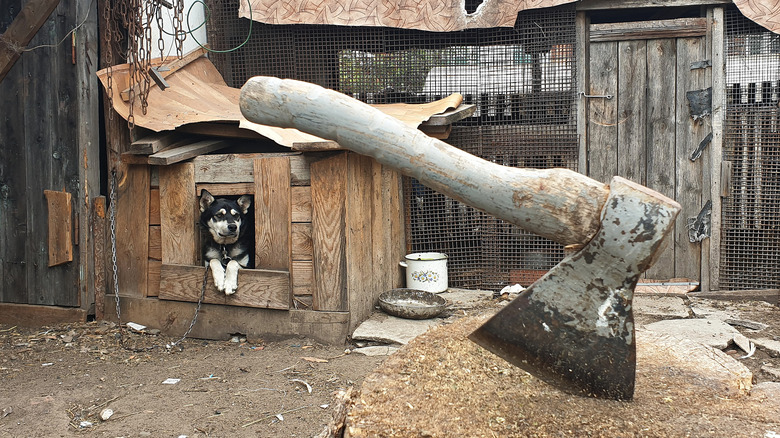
[328, 224]
[328, 233]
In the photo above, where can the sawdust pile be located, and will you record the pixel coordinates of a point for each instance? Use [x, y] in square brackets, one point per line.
[443, 385]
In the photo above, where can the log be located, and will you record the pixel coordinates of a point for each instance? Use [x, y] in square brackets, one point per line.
[559, 204]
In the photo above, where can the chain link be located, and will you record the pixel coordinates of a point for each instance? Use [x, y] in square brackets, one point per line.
[114, 266]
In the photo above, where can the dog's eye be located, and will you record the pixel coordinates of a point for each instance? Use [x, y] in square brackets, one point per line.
[220, 215]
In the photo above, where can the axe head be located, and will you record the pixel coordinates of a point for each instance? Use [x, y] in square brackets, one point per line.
[574, 327]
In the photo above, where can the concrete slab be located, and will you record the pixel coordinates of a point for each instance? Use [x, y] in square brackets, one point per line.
[712, 332]
[661, 306]
[386, 329]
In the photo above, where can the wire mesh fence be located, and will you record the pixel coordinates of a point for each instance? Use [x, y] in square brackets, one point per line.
[750, 236]
[521, 79]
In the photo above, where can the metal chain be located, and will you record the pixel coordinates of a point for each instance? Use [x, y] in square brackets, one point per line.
[112, 222]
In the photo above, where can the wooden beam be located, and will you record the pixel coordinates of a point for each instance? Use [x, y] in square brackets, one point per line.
[592, 5]
[769, 295]
[646, 30]
[172, 67]
[25, 315]
[153, 143]
[22, 30]
[179, 154]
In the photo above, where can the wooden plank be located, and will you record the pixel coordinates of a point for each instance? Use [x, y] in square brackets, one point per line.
[651, 29]
[688, 174]
[324, 327]
[24, 315]
[661, 131]
[178, 214]
[361, 286]
[328, 193]
[256, 287]
[155, 242]
[463, 111]
[154, 207]
[602, 113]
[172, 67]
[710, 277]
[440, 132]
[316, 146]
[22, 30]
[272, 213]
[582, 54]
[230, 130]
[60, 227]
[632, 103]
[239, 168]
[769, 295]
[592, 5]
[302, 248]
[301, 203]
[153, 288]
[99, 254]
[302, 277]
[181, 153]
[132, 229]
[154, 142]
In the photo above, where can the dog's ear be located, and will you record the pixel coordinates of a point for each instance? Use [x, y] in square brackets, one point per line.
[205, 200]
[244, 202]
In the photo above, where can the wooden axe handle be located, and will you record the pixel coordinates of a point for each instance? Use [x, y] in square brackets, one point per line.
[559, 204]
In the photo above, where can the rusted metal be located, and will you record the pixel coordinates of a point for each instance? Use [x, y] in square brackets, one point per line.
[575, 327]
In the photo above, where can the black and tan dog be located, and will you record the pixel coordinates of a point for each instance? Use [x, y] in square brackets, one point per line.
[227, 248]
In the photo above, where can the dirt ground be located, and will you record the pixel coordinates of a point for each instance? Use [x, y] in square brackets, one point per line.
[56, 381]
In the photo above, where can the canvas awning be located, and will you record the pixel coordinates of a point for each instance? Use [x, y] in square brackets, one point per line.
[436, 15]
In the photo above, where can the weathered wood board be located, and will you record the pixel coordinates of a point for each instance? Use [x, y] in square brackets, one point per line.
[60, 214]
[178, 214]
[256, 288]
[272, 213]
[328, 198]
[645, 132]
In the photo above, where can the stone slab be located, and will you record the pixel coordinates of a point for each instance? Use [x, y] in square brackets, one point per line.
[376, 350]
[712, 332]
[383, 328]
[770, 346]
[660, 306]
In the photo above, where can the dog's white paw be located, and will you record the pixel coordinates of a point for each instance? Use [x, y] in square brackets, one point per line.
[230, 287]
[231, 277]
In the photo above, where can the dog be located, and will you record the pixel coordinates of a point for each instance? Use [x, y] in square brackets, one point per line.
[227, 247]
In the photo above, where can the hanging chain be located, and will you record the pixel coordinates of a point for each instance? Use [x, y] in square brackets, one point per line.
[115, 269]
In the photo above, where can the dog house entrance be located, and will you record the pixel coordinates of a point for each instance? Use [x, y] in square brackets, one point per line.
[266, 177]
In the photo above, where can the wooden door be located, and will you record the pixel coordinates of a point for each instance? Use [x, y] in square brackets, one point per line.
[645, 130]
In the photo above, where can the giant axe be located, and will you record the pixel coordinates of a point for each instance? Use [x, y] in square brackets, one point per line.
[574, 327]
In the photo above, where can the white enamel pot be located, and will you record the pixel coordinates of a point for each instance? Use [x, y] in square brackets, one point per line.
[426, 271]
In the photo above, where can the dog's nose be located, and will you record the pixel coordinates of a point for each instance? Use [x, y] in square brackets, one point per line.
[232, 227]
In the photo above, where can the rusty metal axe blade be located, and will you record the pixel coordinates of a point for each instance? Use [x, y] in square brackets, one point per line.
[574, 327]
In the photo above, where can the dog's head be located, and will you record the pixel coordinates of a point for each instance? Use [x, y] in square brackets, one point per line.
[223, 218]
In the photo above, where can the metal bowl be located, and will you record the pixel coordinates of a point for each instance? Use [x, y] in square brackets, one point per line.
[411, 303]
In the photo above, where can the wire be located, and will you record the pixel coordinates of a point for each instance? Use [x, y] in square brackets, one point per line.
[207, 10]
[67, 35]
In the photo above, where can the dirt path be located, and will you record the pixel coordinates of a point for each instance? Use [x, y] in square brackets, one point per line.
[54, 378]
